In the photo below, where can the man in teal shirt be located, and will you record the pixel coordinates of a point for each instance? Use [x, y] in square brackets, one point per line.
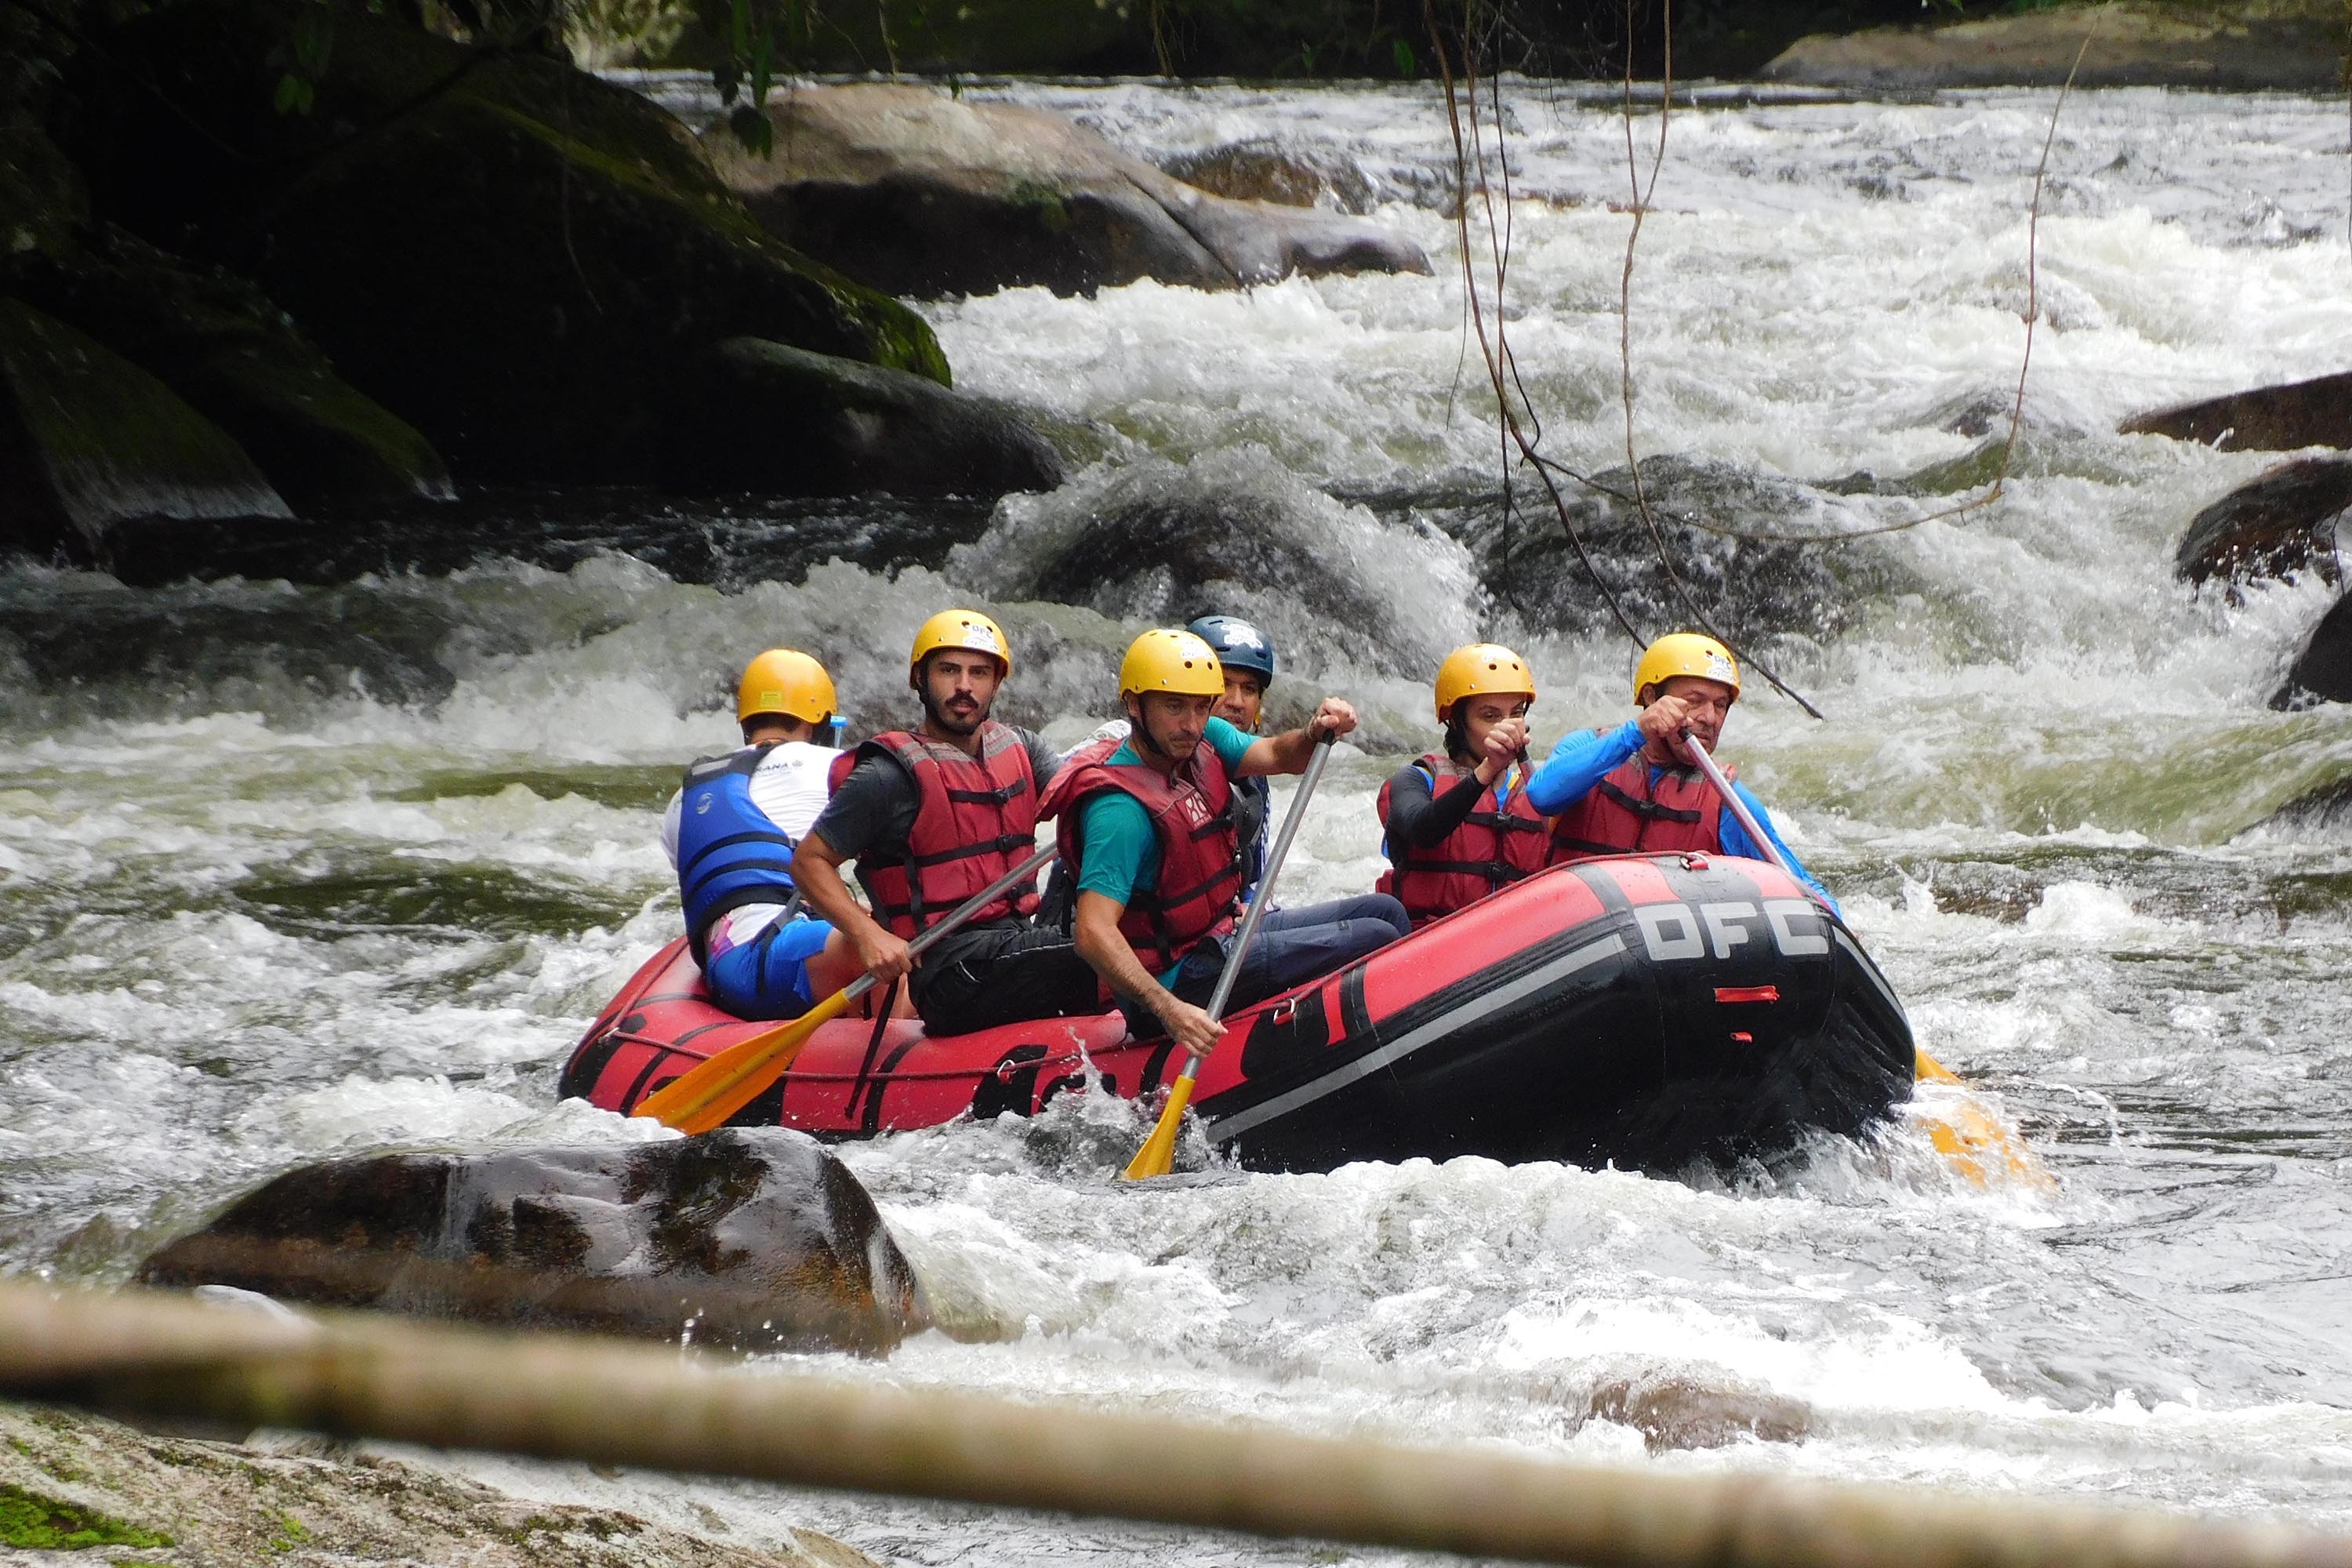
[1148, 823]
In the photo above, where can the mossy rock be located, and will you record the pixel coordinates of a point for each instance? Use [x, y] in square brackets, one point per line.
[43, 203]
[89, 441]
[852, 428]
[510, 254]
[220, 343]
[31, 1521]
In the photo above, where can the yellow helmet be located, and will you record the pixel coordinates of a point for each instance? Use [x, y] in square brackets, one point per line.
[1479, 669]
[1169, 660]
[966, 629]
[1684, 653]
[783, 681]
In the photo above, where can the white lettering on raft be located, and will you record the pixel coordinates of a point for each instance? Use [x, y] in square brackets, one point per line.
[1671, 932]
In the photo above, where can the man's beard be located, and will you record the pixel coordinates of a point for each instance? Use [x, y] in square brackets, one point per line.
[940, 719]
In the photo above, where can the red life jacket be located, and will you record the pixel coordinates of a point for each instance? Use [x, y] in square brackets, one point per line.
[1495, 846]
[1200, 848]
[1626, 814]
[978, 821]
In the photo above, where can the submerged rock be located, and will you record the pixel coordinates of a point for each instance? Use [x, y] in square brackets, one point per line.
[2280, 524]
[758, 415]
[916, 191]
[81, 1483]
[2315, 413]
[90, 442]
[2325, 809]
[2136, 43]
[515, 256]
[742, 1238]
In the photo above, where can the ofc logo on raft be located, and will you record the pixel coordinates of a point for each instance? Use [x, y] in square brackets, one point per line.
[1678, 930]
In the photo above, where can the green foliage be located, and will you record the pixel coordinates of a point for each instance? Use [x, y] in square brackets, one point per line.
[36, 1523]
[1406, 66]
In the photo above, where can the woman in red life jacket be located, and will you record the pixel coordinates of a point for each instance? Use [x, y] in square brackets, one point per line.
[1458, 821]
[1633, 790]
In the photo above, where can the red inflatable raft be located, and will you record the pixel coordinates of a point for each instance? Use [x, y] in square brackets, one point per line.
[1645, 1010]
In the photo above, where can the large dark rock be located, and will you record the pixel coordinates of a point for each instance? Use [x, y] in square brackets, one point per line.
[218, 342]
[513, 255]
[2315, 413]
[2275, 527]
[758, 415]
[2323, 671]
[90, 442]
[916, 191]
[2136, 43]
[746, 1239]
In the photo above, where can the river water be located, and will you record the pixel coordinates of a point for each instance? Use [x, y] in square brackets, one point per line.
[289, 871]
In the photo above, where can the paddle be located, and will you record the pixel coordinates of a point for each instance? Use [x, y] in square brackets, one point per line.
[706, 1096]
[1970, 1136]
[1158, 1150]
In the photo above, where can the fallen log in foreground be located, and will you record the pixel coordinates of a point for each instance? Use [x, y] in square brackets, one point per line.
[606, 1401]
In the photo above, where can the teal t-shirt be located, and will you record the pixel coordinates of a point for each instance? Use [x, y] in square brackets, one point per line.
[1119, 852]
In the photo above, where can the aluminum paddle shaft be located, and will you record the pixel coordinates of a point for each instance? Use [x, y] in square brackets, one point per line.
[1158, 1153]
[1737, 807]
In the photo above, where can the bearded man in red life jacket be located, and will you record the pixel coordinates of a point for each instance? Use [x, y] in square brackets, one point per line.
[1459, 824]
[933, 815]
[1145, 824]
[1632, 790]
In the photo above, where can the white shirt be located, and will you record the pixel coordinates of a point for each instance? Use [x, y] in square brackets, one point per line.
[790, 786]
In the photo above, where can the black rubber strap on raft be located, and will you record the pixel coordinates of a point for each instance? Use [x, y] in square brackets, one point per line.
[871, 1120]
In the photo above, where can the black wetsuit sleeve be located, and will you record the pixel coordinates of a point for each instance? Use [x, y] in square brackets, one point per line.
[1419, 822]
[876, 805]
[1044, 761]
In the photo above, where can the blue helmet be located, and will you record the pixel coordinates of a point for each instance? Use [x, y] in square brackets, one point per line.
[1239, 645]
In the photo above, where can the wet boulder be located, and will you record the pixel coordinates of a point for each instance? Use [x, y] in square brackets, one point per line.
[743, 1238]
[2281, 523]
[2315, 413]
[234, 356]
[2323, 671]
[513, 255]
[758, 415]
[916, 191]
[91, 443]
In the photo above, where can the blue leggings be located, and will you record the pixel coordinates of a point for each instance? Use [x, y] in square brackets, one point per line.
[767, 977]
[1292, 946]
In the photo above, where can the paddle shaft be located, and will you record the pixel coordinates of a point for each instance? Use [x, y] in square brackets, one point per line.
[1264, 896]
[1737, 807]
[961, 913]
[1925, 1065]
[705, 1096]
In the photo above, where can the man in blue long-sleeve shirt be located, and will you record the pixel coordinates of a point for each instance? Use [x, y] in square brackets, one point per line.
[1630, 791]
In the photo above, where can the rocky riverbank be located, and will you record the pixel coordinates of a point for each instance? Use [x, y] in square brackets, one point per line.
[2294, 44]
[75, 1483]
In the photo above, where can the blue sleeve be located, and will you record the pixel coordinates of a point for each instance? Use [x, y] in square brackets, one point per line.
[1736, 842]
[1579, 761]
[1116, 846]
[1230, 744]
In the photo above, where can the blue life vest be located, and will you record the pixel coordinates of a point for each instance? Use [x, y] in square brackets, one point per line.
[729, 853]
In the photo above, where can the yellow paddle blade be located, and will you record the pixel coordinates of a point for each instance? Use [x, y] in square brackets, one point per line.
[704, 1097]
[1158, 1155]
[1979, 1143]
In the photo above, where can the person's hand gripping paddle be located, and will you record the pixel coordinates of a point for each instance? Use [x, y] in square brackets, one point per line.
[1977, 1143]
[1158, 1150]
[706, 1096]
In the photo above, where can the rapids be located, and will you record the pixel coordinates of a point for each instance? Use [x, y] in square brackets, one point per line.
[291, 870]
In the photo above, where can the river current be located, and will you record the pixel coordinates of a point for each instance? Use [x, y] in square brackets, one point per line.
[289, 871]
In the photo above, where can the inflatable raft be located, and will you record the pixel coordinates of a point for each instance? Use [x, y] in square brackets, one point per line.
[1645, 1010]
